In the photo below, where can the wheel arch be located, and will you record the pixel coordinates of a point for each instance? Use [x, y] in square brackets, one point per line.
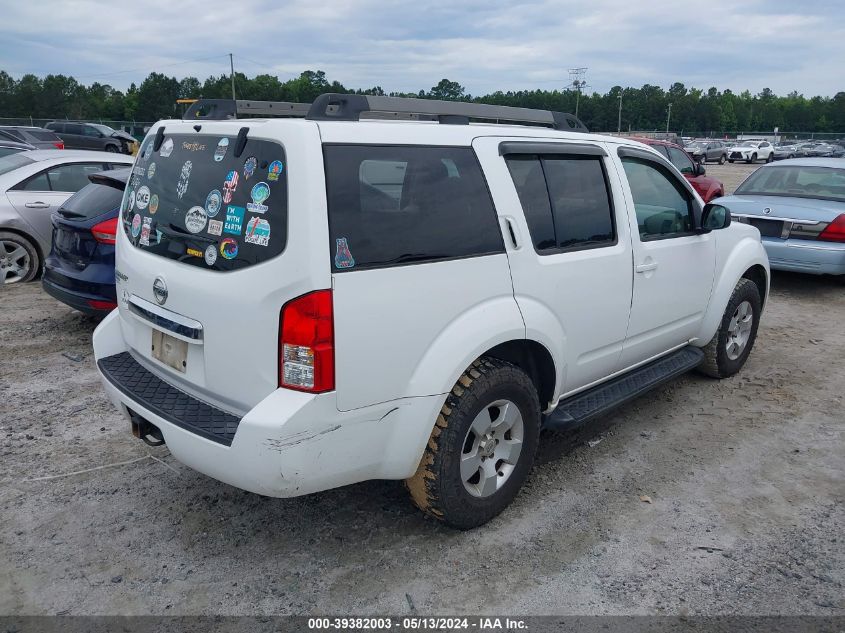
[29, 238]
[535, 360]
[760, 277]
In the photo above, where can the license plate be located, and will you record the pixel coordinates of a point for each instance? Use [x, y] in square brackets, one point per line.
[767, 228]
[170, 350]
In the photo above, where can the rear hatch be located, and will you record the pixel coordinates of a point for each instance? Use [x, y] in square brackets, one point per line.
[227, 232]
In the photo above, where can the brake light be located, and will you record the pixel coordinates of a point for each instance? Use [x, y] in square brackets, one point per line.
[102, 305]
[835, 231]
[59, 144]
[105, 232]
[306, 343]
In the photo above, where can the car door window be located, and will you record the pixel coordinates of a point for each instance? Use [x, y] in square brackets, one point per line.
[91, 131]
[39, 182]
[73, 128]
[72, 177]
[663, 206]
[681, 160]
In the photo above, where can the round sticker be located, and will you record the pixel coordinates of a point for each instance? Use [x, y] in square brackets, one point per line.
[249, 167]
[151, 170]
[229, 248]
[211, 255]
[274, 170]
[166, 148]
[154, 204]
[142, 198]
[213, 203]
[136, 225]
[148, 151]
[260, 192]
[195, 219]
[220, 152]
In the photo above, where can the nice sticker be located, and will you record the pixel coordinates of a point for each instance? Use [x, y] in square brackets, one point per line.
[343, 258]
[274, 170]
[260, 192]
[195, 219]
[166, 148]
[154, 204]
[145, 232]
[229, 248]
[215, 227]
[184, 176]
[257, 232]
[213, 202]
[229, 186]
[220, 152]
[151, 171]
[136, 225]
[142, 198]
[211, 254]
[249, 167]
[234, 220]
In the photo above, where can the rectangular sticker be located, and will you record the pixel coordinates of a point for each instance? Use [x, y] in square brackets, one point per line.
[234, 220]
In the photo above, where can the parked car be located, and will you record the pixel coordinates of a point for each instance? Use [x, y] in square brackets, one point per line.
[13, 147]
[38, 137]
[817, 149]
[786, 149]
[702, 151]
[33, 185]
[93, 136]
[80, 268]
[416, 302]
[751, 151]
[799, 208]
[707, 187]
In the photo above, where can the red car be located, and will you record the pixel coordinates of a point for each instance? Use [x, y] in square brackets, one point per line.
[708, 188]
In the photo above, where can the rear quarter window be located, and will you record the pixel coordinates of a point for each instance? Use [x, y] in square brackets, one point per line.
[395, 205]
[93, 200]
[195, 202]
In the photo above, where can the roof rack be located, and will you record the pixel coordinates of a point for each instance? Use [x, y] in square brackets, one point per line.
[351, 107]
[221, 109]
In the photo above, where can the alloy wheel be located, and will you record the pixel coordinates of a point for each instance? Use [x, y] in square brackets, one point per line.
[739, 330]
[491, 448]
[14, 262]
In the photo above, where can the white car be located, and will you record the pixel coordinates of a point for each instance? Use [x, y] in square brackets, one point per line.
[310, 302]
[751, 151]
[33, 185]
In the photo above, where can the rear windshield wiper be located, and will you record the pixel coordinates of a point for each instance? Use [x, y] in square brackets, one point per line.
[176, 231]
[71, 215]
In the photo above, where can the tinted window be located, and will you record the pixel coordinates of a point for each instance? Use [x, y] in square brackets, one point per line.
[93, 200]
[395, 205]
[73, 128]
[55, 126]
[661, 203]
[5, 151]
[90, 130]
[72, 177]
[46, 135]
[13, 134]
[38, 182]
[10, 163]
[195, 202]
[803, 181]
[681, 160]
[576, 212]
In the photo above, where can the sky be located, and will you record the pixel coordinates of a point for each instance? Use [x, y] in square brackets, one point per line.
[408, 45]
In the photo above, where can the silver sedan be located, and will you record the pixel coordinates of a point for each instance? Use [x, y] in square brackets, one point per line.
[33, 185]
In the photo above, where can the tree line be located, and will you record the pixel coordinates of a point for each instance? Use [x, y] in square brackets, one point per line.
[693, 111]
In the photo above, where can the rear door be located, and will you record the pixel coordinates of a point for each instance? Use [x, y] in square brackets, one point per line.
[416, 252]
[673, 266]
[570, 249]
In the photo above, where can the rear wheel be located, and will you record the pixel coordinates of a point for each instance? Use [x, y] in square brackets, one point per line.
[482, 446]
[19, 261]
[722, 159]
[728, 350]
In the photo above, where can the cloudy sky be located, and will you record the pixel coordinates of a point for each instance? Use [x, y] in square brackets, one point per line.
[406, 45]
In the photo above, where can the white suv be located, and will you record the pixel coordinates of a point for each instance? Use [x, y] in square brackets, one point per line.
[751, 151]
[311, 302]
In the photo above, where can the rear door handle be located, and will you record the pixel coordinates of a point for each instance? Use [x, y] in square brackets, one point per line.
[644, 268]
[37, 205]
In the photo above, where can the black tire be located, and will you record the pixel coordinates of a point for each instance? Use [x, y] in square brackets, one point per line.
[722, 159]
[717, 363]
[114, 149]
[32, 261]
[437, 487]
[730, 160]
[770, 158]
[753, 159]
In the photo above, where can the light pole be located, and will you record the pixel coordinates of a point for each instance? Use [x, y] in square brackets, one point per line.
[619, 120]
[668, 117]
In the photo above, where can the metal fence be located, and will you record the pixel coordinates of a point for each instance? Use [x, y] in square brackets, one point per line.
[138, 129]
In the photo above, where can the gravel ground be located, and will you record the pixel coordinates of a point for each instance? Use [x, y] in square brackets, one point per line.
[744, 482]
[731, 174]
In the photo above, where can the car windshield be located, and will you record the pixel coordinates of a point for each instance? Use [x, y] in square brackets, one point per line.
[697, 145]
[804, 181]
[105, 129]
[747, 144]
[13, 162]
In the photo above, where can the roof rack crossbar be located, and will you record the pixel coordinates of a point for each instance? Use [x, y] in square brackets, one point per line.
[221, 109]
[350, 107]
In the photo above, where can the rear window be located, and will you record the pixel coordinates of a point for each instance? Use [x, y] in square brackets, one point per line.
[195, 202]
[12, 162]
[93, 200]
[42, 136]
[391, 205]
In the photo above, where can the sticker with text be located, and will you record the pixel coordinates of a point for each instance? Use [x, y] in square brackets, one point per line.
[234, 220]
[260, 192]
[274, 170]
[211, 254]
[213, 202]
[195, 219]
[257, 232]
[220, 152]
[215, 227]
[145, 232]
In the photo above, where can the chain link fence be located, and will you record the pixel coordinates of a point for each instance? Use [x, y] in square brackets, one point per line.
[138, 129]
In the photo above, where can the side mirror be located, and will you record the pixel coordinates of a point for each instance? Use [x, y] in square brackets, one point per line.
[700, 170]
[715, 217]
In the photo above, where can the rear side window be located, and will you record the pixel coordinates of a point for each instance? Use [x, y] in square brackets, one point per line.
[391, 205]
[195, 202]
[93, 200]
[42, 136]
[565, 200]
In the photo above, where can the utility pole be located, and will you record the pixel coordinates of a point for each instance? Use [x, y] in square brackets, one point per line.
[619, 121]
[668, 117]
[577, 83]
[232, 74]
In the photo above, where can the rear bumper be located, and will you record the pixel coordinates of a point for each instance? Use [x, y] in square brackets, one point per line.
[806, 256]
[289, 444]
[79, 300]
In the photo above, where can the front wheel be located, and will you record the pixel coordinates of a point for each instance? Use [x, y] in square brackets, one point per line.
[481, 448]
[728, 350]
[753, 159]
[731, 161]
[722, 159]
[770, 158]
[19, 261]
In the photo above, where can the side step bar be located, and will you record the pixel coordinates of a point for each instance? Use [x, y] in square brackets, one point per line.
[583, 407]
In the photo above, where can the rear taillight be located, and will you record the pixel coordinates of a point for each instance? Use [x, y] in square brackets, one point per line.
[59, 144]
[306, 343]
[105, 232]
[835, 231]
[102, 305]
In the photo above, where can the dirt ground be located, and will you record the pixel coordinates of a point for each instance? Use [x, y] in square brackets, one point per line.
[745, 480]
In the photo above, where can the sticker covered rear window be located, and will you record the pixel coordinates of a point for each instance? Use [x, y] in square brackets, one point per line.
[195, 202]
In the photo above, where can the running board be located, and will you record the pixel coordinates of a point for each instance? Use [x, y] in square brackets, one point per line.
[583, 407]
